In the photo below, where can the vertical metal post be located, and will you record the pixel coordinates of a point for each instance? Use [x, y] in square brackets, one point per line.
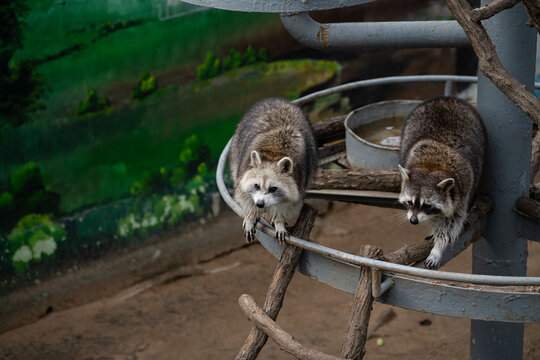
[506, 177]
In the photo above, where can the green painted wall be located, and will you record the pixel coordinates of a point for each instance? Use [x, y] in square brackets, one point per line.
[108, 178]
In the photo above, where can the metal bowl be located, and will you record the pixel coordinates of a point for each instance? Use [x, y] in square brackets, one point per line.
[365, 154]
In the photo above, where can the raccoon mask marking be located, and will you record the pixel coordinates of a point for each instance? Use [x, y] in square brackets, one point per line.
[269, 183]
[428, 199]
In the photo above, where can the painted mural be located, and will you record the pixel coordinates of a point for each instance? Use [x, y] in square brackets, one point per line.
[114, 113]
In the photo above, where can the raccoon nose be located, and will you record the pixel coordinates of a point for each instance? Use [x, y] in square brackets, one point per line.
[414, 220]
[260, 204]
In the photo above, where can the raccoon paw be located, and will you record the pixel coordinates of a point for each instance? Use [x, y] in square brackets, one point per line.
[433, 261]
[249, 232]
[249, 235]
[282, 237]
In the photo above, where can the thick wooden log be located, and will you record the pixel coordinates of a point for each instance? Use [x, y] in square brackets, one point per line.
[283, 339]
[529, 208]
[280, 280]
[535, 192]
[410, 253]
[357, 179]
[330, 129]
[485, 12]
[535, 155]
[489, 62]
[354, 341]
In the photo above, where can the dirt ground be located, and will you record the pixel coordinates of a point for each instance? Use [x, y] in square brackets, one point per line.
[195, 315]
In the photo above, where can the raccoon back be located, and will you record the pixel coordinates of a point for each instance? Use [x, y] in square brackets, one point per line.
[449, 121]
[275, 128]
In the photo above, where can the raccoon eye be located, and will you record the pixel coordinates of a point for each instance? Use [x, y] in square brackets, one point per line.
[273, 189]
[430, 209]
[409, 204]
[257, 186]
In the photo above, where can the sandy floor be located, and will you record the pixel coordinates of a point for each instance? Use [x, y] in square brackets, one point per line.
[197, 316]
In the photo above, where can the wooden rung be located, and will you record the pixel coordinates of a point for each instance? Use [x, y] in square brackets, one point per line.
[285, 341]
[278, 286]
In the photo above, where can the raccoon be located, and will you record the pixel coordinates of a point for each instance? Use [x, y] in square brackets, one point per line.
[273, 158]
[441, 153]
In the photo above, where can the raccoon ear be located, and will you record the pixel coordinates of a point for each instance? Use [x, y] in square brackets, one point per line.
[255, 159]
[285, 165]
[446, 184]
[404, 174]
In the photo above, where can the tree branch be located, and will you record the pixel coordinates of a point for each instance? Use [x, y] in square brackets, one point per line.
[354, 341]
[535, 155]
[529, 208]
[533, 10]
[280, 281]
[282, 338]
[489, 62]
[485, 12]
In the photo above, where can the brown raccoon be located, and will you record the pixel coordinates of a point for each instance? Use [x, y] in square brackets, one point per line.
[273, 158]
[442, 149]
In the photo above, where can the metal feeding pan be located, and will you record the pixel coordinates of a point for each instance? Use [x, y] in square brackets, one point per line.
[372, 133]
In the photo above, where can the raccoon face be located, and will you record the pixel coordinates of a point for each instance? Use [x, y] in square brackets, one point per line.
[425, 196]
[269, 183]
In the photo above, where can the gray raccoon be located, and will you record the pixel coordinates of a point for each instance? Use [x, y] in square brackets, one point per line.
[442, 149]
[273, 158]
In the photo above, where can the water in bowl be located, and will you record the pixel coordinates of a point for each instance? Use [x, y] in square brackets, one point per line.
[386, 131]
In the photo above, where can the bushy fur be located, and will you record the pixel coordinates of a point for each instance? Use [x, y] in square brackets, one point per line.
[442, 149]
[273, 158]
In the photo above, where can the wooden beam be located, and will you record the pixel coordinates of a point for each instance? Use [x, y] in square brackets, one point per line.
[282, 338]
[280, 281]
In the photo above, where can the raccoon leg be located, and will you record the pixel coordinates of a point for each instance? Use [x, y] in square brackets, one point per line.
[251, 216]
[444, 233]
[440, 243]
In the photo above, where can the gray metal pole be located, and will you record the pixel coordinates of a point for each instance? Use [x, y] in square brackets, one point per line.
[505, 179]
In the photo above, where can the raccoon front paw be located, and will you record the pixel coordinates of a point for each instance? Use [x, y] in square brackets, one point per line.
[249, 231]
[282, 234]
[433, 261]
[282, 237]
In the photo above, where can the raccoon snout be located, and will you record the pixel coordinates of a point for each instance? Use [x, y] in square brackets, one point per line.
[414, 220]
[260, 204]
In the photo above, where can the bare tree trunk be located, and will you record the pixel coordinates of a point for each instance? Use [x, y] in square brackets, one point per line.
[489, 62]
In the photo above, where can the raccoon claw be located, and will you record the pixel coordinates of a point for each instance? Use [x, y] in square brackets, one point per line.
[432, 262]
[282, 237]
[249, 231]
[249, 235]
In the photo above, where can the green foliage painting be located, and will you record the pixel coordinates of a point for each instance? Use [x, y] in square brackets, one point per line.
[92, 103]
[139, 98]
[146, 86]
[35, 238]
[20, 84]
[213, 66]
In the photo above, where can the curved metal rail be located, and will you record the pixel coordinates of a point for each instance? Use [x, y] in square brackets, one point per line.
[341, 270]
